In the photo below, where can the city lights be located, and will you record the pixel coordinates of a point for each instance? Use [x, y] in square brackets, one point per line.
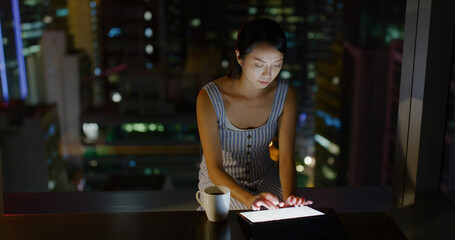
[328, 145]
[93, 163]
[51, 184]
[91, 131]
[19, 46]
[148, 32]
[3, 69]
[148, 171]
[114, 32]
[116, 97]
[195, 22]
[308, 160]
[62, 12]
[252, 10]
[47, 19]
[148, 16]
[328, 172]
[149, 49]
[299, 168]
[140, 127]
[132, 163]
[285, 74]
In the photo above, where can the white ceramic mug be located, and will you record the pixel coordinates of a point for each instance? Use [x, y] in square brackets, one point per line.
[215, 201]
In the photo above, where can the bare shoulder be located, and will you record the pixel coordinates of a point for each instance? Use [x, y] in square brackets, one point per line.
[222, 83]
[202, 99]
[291, 95]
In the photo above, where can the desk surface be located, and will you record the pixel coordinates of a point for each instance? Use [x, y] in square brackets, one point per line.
[166, 225]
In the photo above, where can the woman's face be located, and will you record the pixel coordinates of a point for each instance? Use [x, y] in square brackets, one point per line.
[261, 66]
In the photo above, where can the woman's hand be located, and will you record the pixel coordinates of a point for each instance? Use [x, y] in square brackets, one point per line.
[293, 201]
[266, 200]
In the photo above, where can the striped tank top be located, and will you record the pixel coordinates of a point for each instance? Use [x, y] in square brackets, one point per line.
[245, 153]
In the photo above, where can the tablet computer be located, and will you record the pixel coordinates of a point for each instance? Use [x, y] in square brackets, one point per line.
[279, 214]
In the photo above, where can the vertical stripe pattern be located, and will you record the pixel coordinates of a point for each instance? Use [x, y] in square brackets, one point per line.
[245, 153]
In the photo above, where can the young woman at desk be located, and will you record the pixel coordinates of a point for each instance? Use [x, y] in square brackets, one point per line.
[239, 114]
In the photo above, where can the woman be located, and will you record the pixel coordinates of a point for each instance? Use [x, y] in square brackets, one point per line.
[239, 114]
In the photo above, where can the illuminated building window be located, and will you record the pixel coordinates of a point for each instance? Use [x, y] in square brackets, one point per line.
[195, 22]
[132, 163]
[328, 173]
[91, 131]
[149, 49]
[311, 74]
[62, 12]
[47, 19]
[152, 127]
[116, 97]
[308, 160]
[224, 63]
[148, 16]
[252, 10]
[310, 35]
[97, 71]
[114, 32]
[327, 144]
[148, 32]
[285, 74]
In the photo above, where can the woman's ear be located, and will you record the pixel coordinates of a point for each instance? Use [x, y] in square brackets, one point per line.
[237, 57]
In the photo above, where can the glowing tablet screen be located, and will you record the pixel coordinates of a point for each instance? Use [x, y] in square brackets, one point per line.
[280, 214]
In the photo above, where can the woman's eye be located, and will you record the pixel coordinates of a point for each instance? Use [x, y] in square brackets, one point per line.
[277, 65]
[259, 66]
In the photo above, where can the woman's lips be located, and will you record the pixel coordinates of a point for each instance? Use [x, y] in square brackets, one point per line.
[261, 82]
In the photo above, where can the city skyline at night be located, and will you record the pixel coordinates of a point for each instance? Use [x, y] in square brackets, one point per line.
[130, 66]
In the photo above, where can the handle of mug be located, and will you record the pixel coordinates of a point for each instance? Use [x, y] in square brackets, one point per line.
[198, 193]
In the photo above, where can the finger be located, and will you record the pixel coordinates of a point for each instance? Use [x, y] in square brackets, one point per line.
[309, 202]
[271, 205]
[257, 205]
[299, 202]
[292, 200]
[272, 198]
[265, 203]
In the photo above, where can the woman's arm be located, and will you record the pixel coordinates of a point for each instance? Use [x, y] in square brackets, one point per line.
[210, 140]
[286, 140]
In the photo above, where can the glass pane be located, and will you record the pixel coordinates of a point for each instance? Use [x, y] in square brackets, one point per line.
[448, 162]
[111, 89]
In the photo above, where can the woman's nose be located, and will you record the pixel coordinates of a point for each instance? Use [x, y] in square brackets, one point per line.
[267, 72]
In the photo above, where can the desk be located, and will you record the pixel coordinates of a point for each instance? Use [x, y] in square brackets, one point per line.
[165, 225]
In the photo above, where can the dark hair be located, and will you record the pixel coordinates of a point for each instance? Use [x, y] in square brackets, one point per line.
[254, 32]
